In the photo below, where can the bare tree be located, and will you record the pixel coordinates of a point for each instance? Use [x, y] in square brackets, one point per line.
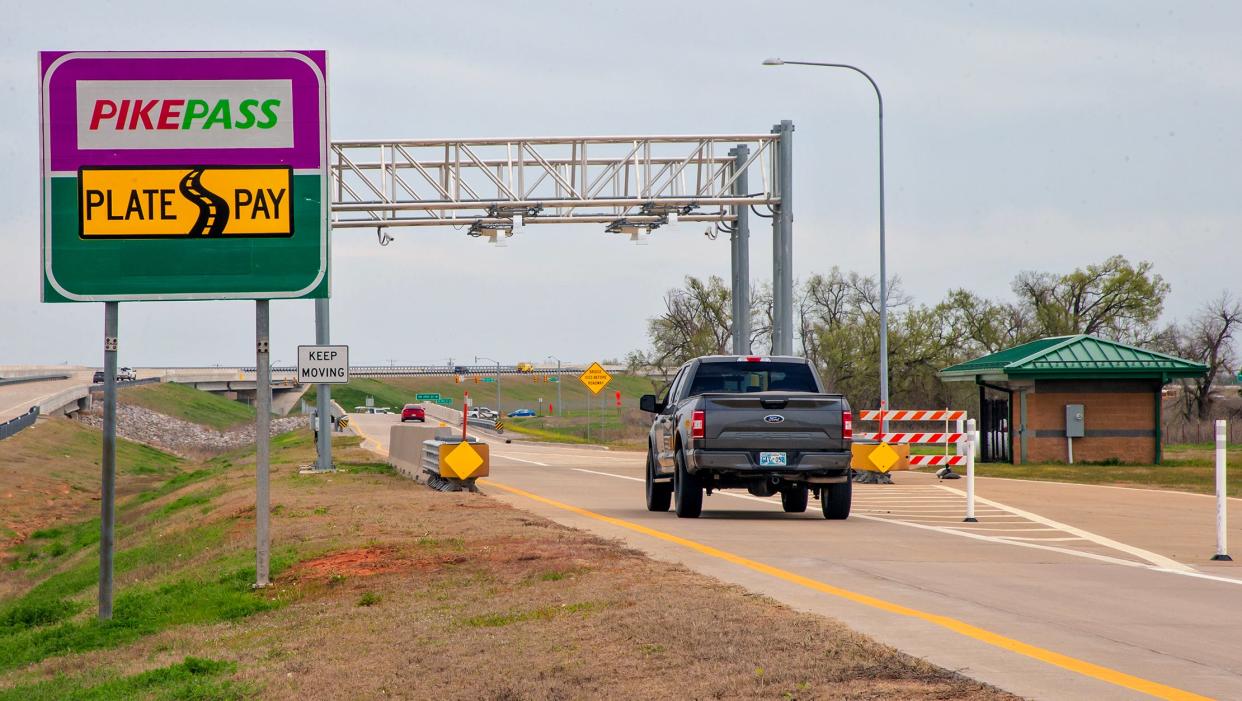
[1208, 337]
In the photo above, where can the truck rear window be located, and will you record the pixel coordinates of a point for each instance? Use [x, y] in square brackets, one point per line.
[752, 377]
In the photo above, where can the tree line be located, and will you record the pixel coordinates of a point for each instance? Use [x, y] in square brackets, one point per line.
[838, 327]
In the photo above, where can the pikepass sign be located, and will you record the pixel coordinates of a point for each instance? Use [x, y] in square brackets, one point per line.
[184, 175]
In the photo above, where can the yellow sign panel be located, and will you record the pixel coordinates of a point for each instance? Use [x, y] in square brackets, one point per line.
[595, 378]
[185, 202]
[464, 460]
[880, 457]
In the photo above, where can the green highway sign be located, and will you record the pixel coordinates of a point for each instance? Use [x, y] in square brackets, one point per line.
[184, 175]
[444, 400]
[427, 397]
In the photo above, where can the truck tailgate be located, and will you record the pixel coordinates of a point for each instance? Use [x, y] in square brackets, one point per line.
[773, 421]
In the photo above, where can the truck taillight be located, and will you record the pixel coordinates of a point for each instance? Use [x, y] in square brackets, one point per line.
[847, 425]
[698, 425]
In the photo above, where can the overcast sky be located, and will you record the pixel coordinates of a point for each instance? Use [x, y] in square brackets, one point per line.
[1019, 136]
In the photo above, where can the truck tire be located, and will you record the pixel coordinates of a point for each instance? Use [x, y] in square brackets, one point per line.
[659, 494]
[687, 490]
[794, 498]
[835, 500]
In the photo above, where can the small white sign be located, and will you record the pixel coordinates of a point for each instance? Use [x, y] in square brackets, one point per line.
[328, 365]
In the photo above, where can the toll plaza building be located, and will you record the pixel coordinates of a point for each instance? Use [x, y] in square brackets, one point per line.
[1071, 399]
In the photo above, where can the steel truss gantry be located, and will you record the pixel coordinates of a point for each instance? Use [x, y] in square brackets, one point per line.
[627, 183]
[632, 185]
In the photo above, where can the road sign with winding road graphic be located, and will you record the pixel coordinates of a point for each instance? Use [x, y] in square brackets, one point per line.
[184, 175]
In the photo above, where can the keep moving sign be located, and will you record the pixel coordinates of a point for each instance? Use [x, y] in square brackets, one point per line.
[328, 365]
[184, 175]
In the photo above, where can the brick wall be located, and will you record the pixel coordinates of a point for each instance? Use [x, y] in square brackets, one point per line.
[1119, 416]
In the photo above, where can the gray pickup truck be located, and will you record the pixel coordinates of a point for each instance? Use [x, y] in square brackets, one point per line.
[755, 422]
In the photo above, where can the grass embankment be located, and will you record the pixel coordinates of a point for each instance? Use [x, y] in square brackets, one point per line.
[50, 473]
[382, 587]
[1186, 467]
[608, 425]
[188, 404]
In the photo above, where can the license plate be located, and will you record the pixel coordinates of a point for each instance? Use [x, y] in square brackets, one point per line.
[772, 460]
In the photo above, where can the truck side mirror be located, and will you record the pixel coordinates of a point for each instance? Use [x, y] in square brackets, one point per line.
[647, 403]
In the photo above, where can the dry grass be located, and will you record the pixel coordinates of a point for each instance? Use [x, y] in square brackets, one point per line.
[402, 592]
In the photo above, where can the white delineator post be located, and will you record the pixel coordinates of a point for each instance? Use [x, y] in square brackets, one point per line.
[1222, 501]
[970, 472]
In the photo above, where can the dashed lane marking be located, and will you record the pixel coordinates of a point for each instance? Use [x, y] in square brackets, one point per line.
[1073, 664]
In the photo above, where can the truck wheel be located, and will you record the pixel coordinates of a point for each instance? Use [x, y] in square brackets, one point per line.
[835, 500]
[687, 490]
[794, 498]
[659, 494]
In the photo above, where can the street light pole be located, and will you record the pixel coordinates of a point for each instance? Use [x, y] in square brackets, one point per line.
[477, 358]
[558, 384]
[883, 265]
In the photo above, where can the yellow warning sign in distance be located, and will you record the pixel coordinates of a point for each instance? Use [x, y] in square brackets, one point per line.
[185, 202]
[595, 378]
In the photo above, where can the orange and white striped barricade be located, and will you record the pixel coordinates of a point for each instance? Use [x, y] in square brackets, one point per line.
[890, 449]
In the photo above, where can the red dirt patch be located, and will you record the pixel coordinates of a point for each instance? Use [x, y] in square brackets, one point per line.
[367, 562]
[354, 563]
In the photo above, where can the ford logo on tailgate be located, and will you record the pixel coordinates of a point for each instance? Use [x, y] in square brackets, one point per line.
[774, 418]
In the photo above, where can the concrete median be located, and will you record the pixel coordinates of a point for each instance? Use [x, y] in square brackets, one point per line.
[405, 446]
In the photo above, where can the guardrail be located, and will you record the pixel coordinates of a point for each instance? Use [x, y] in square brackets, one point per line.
[12, 426]
[31, 378]
[453, 417]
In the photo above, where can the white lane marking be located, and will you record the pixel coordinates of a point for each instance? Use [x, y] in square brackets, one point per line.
[510, 457]
[1109, 486]
[1153, 558]
[1036, 540]
[609, 474]
[958, 519]
[999, 540]
[930, 510]
[966, 533]
[567, 454]
[972, 528]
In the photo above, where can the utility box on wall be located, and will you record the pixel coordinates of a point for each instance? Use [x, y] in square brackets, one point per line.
[1075, 423]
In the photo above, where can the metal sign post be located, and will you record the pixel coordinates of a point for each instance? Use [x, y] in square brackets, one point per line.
[323, 395]
[595, 378]
[107, 509]
[262, 438]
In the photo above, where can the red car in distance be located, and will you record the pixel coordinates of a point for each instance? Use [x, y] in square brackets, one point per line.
[413, 412]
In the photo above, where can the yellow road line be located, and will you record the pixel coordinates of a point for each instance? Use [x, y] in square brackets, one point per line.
[1072, 664]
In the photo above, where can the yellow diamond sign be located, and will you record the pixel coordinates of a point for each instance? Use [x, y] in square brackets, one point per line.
[879, 457]
[595, 378]
[463, 460]
[884, 457]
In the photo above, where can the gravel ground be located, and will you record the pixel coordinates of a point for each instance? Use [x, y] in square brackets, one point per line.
[182, 437]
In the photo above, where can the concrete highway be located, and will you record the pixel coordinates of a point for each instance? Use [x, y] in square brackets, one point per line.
[1060, 591]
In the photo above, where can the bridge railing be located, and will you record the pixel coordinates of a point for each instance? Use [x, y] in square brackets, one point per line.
[12, 426]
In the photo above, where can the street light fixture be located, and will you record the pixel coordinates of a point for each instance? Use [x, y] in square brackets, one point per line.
[883, 268]
[477, 358]
[558, 384]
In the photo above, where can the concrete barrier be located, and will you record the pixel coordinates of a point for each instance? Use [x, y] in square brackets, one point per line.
[405, 446]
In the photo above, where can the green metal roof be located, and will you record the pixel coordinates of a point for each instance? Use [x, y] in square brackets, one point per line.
[1074, 357]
